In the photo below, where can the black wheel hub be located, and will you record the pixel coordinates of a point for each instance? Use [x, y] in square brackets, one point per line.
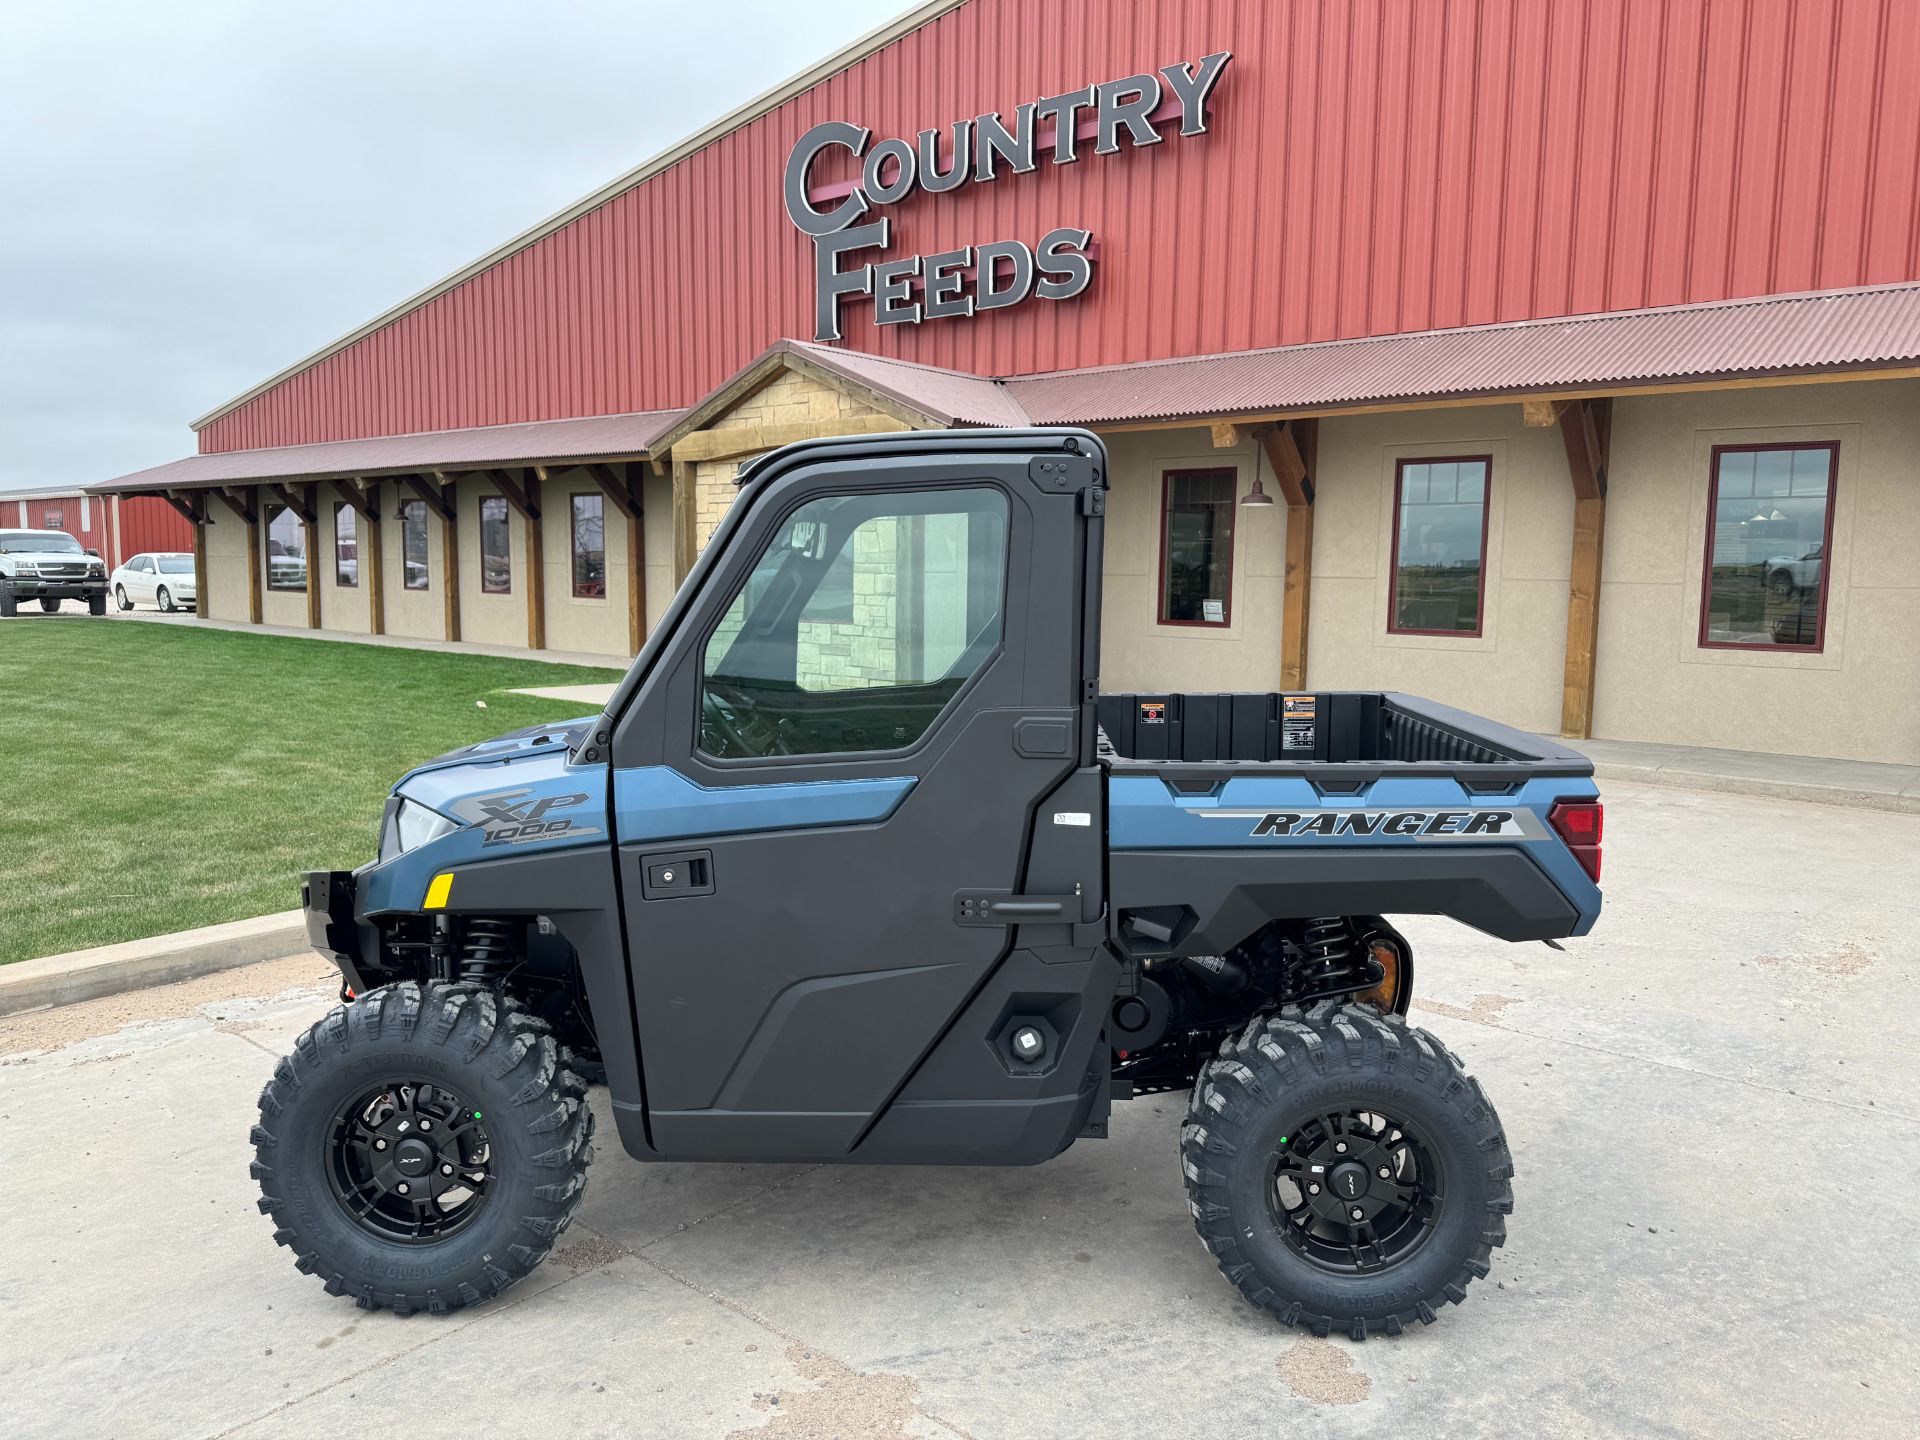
[1354, 1191]
[409, 1162]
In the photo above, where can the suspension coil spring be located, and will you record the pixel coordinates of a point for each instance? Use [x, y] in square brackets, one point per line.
[1330, 966]
[486, 956]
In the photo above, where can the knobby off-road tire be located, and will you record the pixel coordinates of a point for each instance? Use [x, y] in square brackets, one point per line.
[1268, 1098]
[504, 1064]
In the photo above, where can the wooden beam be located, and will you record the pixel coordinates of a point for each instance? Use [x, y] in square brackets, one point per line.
[450, 563]
[241, 503]
[1301, 438]
[292, 501]
[361, 500]
[1282, 447]
[636, 558]
[187, 511]
[1227, 435]
[312, 498]
[529, 507]
[523, 501]
[1585, 426]
[372, 565]
[613, 486]
[685, 536]
[432, 495]
[1542, 413]
[194, 507]
[751, 439]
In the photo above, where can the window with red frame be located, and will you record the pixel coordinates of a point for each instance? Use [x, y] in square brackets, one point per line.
[1439, 584]
[1196, 546]
[1769, 529]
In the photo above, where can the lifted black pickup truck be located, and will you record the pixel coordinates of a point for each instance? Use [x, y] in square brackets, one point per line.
[859, 865]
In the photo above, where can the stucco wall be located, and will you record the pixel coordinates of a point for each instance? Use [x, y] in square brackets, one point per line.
[419, 613]
[342, 607]
[1859, 697]
[1137, 652]
[226, 563]
[490, 619]
[595, 626]
[657, 490]
[1512, 670]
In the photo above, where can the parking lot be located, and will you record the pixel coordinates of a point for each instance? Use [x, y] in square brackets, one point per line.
[1714, 1104]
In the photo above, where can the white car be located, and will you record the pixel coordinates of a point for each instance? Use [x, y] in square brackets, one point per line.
[164, 578]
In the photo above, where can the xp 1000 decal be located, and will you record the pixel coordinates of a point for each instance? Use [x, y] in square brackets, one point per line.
[1400, 824]
[515, 817]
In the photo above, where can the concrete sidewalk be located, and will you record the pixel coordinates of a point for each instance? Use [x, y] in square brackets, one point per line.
[1858, 783]
[393, 642]
[1712, 1102]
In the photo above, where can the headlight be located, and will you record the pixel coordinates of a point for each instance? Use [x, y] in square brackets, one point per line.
[96, 568]
[25, 567]
[410, 826]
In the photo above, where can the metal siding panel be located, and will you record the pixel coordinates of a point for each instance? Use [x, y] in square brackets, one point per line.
[1376, 167]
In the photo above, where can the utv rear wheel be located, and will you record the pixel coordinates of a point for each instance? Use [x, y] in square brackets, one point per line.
[1344, 1170]
[422, 1147]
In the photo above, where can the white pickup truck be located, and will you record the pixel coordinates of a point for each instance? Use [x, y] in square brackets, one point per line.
[49, 566]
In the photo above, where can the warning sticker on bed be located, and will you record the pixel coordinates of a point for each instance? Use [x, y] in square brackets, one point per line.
[1153, 712]
[1296, 722]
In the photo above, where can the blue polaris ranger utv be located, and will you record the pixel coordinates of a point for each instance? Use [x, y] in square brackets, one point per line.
[859, 865]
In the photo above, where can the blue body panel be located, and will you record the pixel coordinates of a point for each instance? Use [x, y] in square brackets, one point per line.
[656, 802]
[508, 796]
[1147, 813]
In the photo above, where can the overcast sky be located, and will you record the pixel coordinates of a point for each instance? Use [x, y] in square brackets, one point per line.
[195, 194]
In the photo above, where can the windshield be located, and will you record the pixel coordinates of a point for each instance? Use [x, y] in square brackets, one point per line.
[39, 542]
[176, 564]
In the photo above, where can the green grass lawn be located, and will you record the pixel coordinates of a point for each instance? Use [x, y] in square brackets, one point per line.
[158, 778]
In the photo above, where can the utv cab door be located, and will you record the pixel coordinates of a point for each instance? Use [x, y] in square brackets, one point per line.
[860, 827]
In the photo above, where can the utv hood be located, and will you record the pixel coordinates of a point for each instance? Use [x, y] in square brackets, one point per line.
[491, 765]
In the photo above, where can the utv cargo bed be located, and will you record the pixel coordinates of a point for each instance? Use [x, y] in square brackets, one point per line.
[1221, 807]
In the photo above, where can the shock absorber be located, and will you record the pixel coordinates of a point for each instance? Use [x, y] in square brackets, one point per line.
[1332, 964]
[486, 954]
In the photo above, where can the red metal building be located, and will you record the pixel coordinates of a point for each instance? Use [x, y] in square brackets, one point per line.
[1589, 248]
[116, 526]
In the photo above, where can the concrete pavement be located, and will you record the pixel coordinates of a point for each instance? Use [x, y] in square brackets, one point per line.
[1714, 1104]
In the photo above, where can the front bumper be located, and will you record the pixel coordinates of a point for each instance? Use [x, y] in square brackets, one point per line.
[330, 900]
[29, 587]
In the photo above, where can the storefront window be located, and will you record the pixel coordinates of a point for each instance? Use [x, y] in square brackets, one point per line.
[413, 543]
[1439, 546]
[286, 550]
[496, 550]
[1196, 547]
[1769, 523]
[589, 547]
[346, 545]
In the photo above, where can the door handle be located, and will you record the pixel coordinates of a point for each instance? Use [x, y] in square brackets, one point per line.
[1003, 907]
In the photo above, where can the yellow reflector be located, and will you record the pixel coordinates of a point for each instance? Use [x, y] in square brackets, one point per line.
[438, 891]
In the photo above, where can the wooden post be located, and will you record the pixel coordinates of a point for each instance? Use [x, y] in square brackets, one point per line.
[535, 481]
[685, 536]
[313, 555]
[242, 504]
[1585, 427]
[193, 506]
[1289, 448]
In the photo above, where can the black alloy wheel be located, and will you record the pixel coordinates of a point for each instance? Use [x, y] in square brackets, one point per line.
[409, 1161]
[1355, 1191]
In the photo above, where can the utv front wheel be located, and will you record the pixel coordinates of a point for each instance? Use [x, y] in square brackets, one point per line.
[1344, 1171]
[422, 1147]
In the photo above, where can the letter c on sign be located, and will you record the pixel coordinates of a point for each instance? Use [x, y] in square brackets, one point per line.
[799, 209]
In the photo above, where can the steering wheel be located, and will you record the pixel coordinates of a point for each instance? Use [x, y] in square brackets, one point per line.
[728, 712]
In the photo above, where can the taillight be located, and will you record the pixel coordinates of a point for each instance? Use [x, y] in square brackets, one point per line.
[1579, 823]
